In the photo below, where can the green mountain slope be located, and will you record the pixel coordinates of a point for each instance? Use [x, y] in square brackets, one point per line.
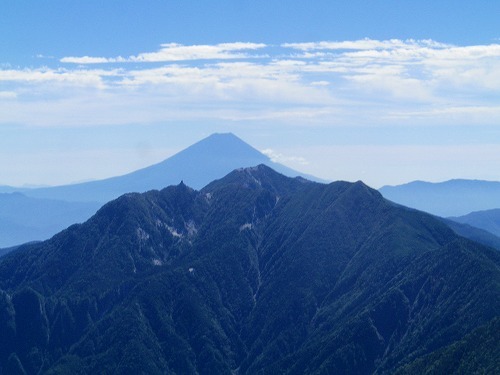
[476, 353]
[255, 273]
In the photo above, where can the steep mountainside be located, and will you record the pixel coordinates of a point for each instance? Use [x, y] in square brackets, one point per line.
[7, 250]
[449, 198]
[255, 273]
[488, 220]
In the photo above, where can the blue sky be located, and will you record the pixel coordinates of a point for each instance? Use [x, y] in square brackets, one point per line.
[383, 91]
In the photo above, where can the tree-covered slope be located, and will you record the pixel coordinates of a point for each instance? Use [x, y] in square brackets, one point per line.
[255, 273]
[477, 353]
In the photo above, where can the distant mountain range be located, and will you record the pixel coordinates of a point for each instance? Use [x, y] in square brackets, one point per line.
[488, 220]
[255, 273]
[197, 165]
[41, 212]
[10, 189]
[449, 198]
[473, 233]
[24, 219]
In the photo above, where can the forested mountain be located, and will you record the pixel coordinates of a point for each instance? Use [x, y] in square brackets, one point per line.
[450, 198]
[254, 273]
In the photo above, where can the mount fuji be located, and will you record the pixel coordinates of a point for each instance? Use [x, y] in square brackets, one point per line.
[38, 213]
[209, 159]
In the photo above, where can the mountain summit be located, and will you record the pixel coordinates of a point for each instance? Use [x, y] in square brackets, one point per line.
[197, 165]
[256, 273]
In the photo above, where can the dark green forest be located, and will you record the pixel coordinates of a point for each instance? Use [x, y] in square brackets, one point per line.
[256, 273]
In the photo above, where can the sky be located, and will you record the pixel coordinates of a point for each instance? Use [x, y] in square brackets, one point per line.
[381, 91]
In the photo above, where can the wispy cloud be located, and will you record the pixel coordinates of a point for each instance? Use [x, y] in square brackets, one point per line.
[69, 77]
[449, 115]
[365, 44]
[278, 157]
[328, 82]
[177, 52]
[8, 95]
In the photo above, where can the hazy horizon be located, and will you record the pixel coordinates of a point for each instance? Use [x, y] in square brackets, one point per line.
[385, 93]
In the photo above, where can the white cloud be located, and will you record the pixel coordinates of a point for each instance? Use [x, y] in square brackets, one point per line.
[320, 83]
[69, 77]
[364, 44]
[346, 82]
[8, 95]
[177, 52]
[452, 115]
[280, 158]
[90, 60]
[419, 85]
